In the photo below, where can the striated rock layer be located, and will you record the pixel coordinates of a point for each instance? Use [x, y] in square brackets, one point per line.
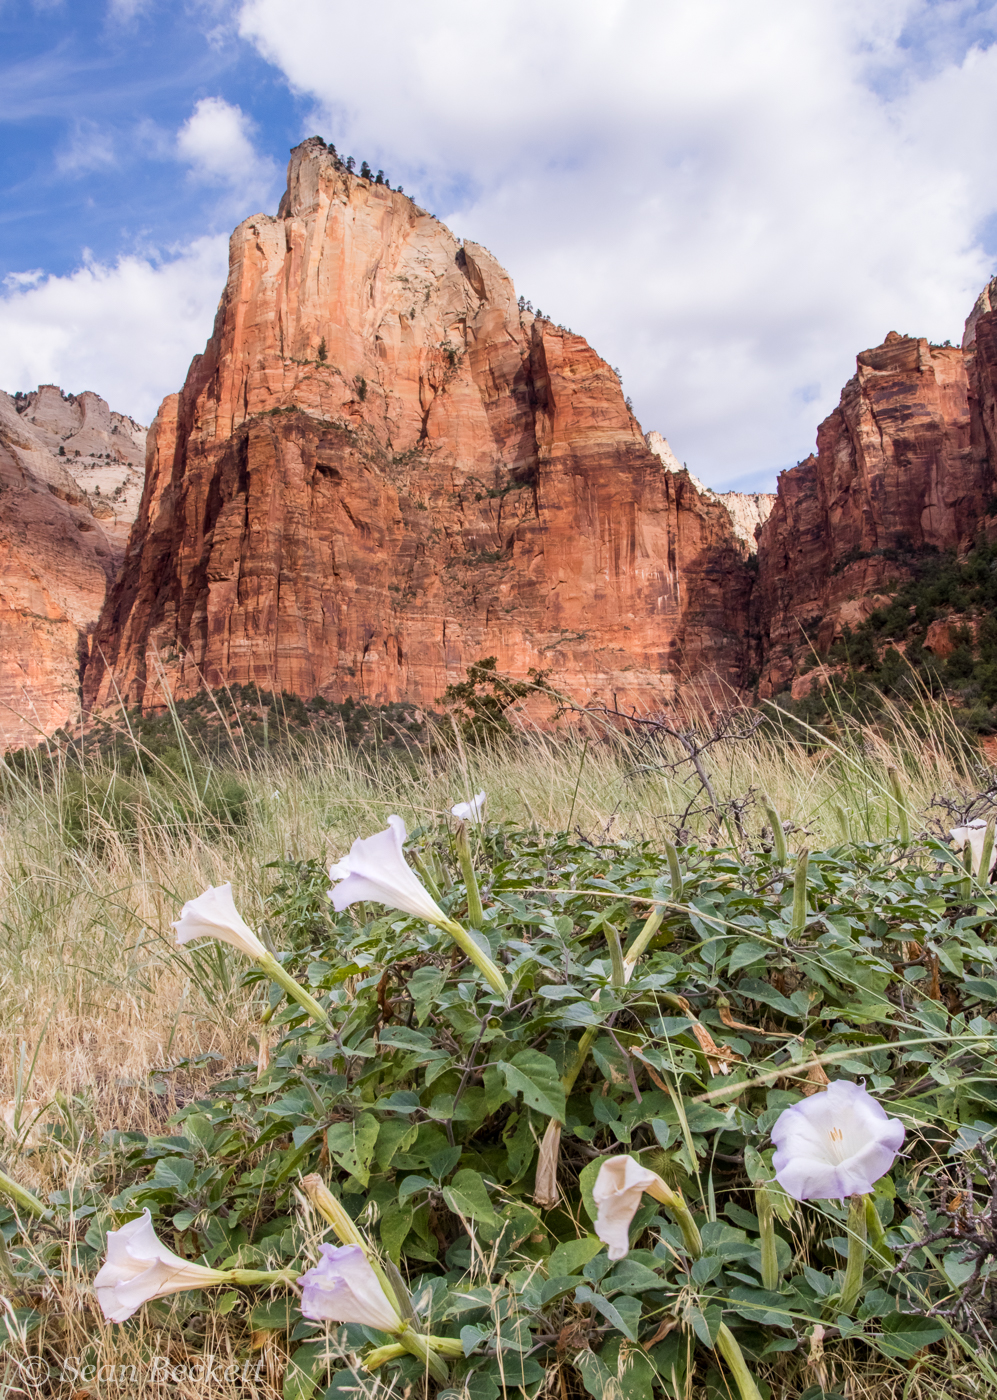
[902, 464]
[55, 566]
[381, 470]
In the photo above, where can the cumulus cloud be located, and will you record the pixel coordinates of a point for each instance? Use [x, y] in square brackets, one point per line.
[217, 142]
[127, 330]
[729, 201]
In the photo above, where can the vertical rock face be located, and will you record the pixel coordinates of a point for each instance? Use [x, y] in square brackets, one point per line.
[381, 469]
[55, 566]
[901, 465]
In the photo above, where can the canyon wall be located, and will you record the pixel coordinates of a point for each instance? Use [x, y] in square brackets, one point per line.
[902, 464]
[382, 469]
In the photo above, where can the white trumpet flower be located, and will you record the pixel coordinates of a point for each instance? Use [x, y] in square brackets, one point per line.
[214, 915]
[972, 835]
[617, 1193]
[376, 869]
[344, 1288]
[473, 811]
[835, 1144]
[139, 1268]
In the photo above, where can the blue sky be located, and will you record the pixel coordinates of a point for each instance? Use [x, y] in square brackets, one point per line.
[729, 201]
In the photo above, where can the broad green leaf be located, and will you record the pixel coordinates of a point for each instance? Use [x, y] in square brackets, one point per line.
[571, 1255]
[612, 1312]
[305, 1369]
[467, 1196]
[395, 1135]
[744, 955]
[175, 1173]
[904, 1334]
[395, 1224]
[352, 1145]
[535, 1077]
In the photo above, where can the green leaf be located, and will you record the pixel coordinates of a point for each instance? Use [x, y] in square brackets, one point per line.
[571, 1255]
[613, 1312]
[596, 1375]
[904, 1334]
[22, 1324]
[394, 1136]
[468, 1196]
[634, 1373]
[305, 1369]
[396, 1222]
[424, 986]
[176, 1173]
[535, 1076]
[706, 1323]
[352, 1145]
[274, 1315]
[744, 955]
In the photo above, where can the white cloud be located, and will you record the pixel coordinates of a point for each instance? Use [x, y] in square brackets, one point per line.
[127, 331]
[216, 142]
[88, 148]
[728, 200]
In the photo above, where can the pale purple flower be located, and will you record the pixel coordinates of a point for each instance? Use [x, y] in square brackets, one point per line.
[473, 811]
[835, 1144]
[214, 915]
[344, 1288]
[376, 869]
[139, 1267]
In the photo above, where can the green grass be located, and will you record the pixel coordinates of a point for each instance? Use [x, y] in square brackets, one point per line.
[110, 1030]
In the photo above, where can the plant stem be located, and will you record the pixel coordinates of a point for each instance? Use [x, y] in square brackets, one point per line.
[674, 1203]
[778, 834]
[475, 913]
[276, 973]
[477, 955]
[639, 946]
[419, 1346]
[734, 1356]
[800, 894]
[252, 1278]
[857, 1249]
[581, 1055]
[22, 1196]
[903, 819]
[766, 1232]
[674, 872]
[619, 976]
[876, 1234]
[446, 1346]
[426, 874]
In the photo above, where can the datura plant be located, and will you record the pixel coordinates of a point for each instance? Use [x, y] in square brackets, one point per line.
[665, 1117]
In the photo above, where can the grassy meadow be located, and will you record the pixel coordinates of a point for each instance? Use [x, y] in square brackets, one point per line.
[113, 1038]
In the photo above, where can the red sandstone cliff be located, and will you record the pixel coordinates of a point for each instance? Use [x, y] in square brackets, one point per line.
[381, 469]
[55, 566]
[902, 463]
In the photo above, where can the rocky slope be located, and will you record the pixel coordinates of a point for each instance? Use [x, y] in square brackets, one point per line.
[382, 468]
[905, 463]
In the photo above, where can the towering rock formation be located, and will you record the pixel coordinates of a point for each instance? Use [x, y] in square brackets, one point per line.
[382, 469]
[55, 567]
[901, 464]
